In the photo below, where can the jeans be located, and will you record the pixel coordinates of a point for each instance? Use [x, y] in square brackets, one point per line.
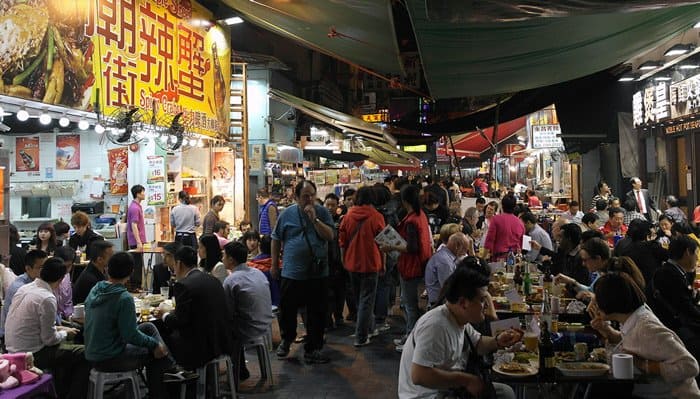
[70, 369]
[365, 285]
[409, 301]
[313, 294]
[188, 239]
[136, 357]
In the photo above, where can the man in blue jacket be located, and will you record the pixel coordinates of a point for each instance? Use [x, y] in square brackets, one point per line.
[113, 341]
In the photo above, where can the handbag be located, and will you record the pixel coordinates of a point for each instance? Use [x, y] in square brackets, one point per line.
[478, 367]
[316, 264]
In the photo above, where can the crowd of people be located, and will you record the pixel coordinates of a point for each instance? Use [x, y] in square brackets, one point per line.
[319, 257]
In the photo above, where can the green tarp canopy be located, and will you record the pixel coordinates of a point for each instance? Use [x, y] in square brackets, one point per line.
[472, 59]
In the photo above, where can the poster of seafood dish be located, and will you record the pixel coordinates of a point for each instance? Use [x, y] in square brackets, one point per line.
[164, 57]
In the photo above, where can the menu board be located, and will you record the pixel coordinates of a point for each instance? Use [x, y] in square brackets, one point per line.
[155, 186]
[154, 54]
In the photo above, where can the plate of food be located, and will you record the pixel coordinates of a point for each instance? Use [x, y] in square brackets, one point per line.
[583, 369]
[514, 369]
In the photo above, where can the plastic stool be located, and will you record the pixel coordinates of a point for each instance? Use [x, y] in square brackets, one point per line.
[202, 380]
[260, 345]
[100, 379]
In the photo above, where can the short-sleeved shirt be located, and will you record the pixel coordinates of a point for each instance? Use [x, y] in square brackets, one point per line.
[290, 231]
[184, 218]
[135, 215]
[439, 268]
[436, 341]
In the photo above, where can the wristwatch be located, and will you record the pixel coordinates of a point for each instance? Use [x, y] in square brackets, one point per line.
[318, 220]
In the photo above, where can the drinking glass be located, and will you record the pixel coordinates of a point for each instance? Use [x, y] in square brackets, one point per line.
[165, 292]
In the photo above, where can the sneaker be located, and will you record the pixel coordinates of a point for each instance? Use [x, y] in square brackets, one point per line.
[359, 343]
[283, 349]
[399, 348]
[316, 357]
[384, 328]
[400, 341]
[374, 333]
[179, 376]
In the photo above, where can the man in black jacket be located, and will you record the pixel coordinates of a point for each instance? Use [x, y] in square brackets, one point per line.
[673, 299]
[645, 204]
[200, 324]
[100, 253]
[84, 235]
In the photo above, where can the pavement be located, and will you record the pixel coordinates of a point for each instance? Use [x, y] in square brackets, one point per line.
[366, 372]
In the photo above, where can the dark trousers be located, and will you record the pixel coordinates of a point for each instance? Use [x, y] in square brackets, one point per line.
[313, 295]
[69, 367]
[365, 286]
[381, 302]
[136, 357]
[350, 295]
[188, 239]
[336, 297]
[137, 274]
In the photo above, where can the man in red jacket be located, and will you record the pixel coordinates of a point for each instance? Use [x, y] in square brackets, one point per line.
[362, 258]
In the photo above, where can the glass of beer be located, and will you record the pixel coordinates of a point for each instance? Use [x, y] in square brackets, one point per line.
[145, 312]
[531, 341]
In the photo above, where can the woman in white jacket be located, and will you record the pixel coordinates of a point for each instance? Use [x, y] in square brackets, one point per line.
[658, 352]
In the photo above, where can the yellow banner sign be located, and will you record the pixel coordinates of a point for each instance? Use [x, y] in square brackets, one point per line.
[165, 56]
[374, 118]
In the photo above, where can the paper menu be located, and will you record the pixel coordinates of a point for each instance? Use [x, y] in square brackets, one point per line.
[390, 237]
[526, 242]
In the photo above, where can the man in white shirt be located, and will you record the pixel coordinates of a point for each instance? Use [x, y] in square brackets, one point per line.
[645, 205]
[31, 327]
[433, 360]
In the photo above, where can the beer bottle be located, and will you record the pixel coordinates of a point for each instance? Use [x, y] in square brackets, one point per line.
[546, 348]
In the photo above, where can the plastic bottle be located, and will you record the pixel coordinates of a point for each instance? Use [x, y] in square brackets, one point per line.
[510, 261]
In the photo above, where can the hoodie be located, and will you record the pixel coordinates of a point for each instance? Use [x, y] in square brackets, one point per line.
[356, 237]
[110, 323]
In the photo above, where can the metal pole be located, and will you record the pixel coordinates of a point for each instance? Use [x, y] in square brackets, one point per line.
[454, 153]
[493, 141]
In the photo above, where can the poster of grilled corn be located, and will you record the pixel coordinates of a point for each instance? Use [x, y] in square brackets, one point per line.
[165, 57]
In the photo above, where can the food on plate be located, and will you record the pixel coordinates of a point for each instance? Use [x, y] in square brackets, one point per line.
[599, 355]
[534, 298]
[585, 366]
[566, 356]
[514, 368]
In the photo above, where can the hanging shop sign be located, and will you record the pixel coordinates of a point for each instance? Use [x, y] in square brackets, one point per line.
[685, 97]
[546, 136]
[651, 105]
[162, 56]
[68, 152]
[271, 152]
[118, 159]
[681, 127]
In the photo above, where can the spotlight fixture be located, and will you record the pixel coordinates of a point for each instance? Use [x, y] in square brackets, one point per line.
[233, 21]
[63, 121]
[628, 77]
[679, 49]
[83, 124]
[22, 115]
[662, 78]
[99, 129]
[689, 65]
[44, 118]
[649, 65]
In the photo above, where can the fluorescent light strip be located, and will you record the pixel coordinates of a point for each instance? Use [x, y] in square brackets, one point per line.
[670, 64]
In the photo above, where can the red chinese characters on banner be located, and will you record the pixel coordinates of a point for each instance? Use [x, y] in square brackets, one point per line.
[120, 79]
[158, 36]
[191, 49]
[115, 21]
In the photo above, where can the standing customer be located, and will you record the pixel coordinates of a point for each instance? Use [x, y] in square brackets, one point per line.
[113, 341]
[505, 231]
[413, 255]
[268, 212]
[136, 231]
[215, 206]
[31, 327]
[304, 230]
[184, 218]
[361, 257]
[645, 205]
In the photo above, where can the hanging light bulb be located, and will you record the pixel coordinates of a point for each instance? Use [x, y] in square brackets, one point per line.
[44, 118]
[83, 124]
[63, 121]
[200, 143]
[173, 139]
[22, 115]
[193, 142]
[99, 129]
[163, 138]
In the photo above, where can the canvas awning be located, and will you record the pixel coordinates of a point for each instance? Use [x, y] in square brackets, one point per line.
[342, 156]
[472, 144]
[367, 135]
[465, 58]
[356, 31]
